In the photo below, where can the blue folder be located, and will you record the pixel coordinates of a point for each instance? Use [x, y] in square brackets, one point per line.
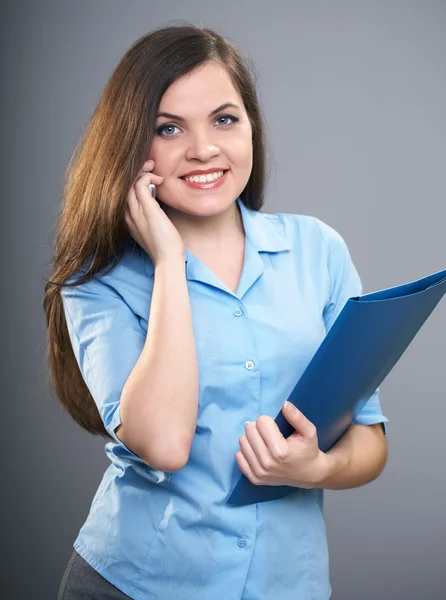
[363, 345]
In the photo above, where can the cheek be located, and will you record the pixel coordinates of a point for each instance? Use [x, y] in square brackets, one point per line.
[249, 153]
[242, 155]
[166, 156]
[241, 149]
[158, 149]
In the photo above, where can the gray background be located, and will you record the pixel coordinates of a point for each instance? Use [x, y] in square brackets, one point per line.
[354, 95]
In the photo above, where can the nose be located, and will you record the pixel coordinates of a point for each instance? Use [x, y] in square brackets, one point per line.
[202, 148]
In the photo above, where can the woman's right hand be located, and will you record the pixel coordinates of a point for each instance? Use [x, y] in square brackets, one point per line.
[148, 223]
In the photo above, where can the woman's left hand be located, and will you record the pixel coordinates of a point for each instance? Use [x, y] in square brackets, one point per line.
[267, 458]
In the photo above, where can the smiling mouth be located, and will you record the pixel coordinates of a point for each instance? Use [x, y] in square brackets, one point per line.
[213, 184]
[205, 180]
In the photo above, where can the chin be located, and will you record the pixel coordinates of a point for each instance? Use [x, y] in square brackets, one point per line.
[203, 204]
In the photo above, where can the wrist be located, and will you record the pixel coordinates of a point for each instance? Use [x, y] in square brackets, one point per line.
[330, 465]
[326, 468]
[170, 269]
[321, 470]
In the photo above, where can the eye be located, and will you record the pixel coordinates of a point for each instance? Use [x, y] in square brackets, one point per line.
[160, 130]
[233, 119]
[163, 128]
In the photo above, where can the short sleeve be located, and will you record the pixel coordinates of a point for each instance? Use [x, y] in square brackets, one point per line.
[107, 341]
[345, 283]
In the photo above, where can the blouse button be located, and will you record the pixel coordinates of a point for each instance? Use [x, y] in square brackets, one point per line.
[238, 312]
[241, 543]
[249, 365]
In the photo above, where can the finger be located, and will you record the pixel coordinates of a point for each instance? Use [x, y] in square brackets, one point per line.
[299, 421]
[272, 437]
[133, 198]
[244, 466]
[128, 219]
[147, 166]
[131, 227]
[133, 203]
[257, 444]
[147, 177]
[250, 456]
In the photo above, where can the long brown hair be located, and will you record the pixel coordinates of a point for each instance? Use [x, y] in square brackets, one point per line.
[113, 147]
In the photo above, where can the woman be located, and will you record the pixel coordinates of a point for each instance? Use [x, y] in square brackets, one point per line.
[179, 325]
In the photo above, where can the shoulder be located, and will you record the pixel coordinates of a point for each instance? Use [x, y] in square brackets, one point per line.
[132, 269]
[309, 229]
[128, 280]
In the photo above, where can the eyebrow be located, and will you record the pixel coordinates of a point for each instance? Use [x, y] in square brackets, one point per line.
[215, 111]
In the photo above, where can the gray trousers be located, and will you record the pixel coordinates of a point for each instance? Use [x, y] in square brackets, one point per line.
[81, 582]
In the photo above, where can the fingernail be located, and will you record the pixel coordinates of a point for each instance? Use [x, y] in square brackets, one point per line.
[289, 406]
[247, 422]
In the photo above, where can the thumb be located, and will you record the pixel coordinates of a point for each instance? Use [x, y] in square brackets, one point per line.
[297, 419]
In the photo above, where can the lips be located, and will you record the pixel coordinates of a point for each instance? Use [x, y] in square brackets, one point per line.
[204, 173]
[206, 185]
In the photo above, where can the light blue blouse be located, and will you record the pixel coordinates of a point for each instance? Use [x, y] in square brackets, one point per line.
[171, 535]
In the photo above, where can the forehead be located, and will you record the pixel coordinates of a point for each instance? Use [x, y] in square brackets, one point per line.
[201, 90]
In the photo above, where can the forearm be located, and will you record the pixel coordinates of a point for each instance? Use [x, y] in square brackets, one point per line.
[159, 401]
[356, 459]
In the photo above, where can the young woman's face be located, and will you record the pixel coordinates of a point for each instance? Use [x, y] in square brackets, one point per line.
[202, 139]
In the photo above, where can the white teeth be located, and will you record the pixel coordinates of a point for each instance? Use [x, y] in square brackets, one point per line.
[204, 178]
